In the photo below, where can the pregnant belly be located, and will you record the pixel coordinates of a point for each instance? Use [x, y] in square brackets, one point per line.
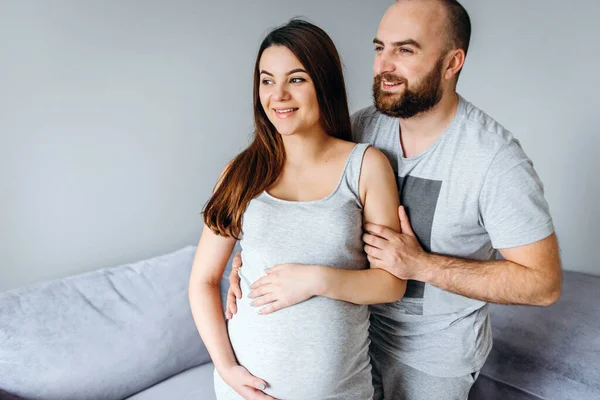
[317, 349]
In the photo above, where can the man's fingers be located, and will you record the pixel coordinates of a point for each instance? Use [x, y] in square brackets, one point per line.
[233, 307]
[228, 313]
[235, 288]
[237, 262]
[374, 241]
[373, 251]
[234, 278]
[234, 283]
[231, 304]
[404, 223]
[262, 300]
[374, 262]
[380, 230]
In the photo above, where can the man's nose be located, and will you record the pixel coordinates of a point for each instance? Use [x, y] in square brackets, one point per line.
[382, 65]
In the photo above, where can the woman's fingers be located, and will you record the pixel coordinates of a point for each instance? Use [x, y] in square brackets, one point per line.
[272, 307]
[261, 291]
[252, 381]
[262, 300]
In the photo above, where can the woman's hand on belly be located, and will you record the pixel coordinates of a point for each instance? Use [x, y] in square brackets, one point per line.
[244, 383]
[286, 285]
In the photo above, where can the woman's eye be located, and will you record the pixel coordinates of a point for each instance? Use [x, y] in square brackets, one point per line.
[296, 80]
[266, 81]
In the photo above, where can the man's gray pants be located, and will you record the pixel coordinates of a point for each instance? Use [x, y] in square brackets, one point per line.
[396, 381]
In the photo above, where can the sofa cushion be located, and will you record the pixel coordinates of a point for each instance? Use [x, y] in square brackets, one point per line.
[105, 334]
[546, 353]
[193, 384]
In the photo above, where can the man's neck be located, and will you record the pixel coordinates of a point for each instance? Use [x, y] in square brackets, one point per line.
[418, 133]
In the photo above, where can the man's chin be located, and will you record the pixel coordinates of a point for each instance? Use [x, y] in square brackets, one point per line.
[388, 108]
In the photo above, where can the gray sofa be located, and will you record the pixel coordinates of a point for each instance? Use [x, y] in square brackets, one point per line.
[115, 333]
[546, 353]
[127, 333]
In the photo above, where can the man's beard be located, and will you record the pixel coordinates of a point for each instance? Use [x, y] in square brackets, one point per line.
[414, 100]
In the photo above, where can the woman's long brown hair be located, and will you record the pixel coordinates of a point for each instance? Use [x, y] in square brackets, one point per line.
[258, 167]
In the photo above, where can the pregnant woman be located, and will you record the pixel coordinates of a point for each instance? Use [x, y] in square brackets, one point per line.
[299, 194]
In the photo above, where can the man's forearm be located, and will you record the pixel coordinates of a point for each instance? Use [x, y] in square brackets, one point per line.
[503, 282]
[369, 286]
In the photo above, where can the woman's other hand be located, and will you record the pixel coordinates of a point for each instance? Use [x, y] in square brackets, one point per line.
[244, 383]
[286, 285]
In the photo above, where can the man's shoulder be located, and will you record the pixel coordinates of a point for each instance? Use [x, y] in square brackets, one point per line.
[481, 130]
[366, 112]
[365, 122]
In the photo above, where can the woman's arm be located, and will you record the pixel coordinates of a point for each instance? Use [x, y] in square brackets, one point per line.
[209, 263]
[205, 302]
[289, 284]
[379, 196]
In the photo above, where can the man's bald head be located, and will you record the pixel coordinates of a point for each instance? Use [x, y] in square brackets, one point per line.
[420, 50]
[457, 23]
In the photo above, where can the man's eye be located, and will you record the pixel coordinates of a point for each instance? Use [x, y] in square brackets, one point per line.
[403, 50]
[378, 48]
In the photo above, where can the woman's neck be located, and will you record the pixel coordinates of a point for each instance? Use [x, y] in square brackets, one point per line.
[307, 148]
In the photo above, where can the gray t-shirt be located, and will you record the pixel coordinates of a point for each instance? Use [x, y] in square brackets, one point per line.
[473, 191]
[319, 348]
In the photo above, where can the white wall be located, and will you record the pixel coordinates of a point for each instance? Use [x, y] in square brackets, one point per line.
[117, 116]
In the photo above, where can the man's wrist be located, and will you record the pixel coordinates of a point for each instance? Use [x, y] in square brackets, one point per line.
[425, 268]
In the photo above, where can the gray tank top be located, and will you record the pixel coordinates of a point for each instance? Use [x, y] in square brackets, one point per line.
[317, 349]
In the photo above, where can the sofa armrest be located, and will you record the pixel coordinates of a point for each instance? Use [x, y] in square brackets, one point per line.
[105, 334]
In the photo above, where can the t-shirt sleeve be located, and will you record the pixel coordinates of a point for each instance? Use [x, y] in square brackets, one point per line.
[512, 206]
[356, 122]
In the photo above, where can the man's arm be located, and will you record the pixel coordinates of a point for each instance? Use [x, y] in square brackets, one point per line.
[529, 274]
[513, 211]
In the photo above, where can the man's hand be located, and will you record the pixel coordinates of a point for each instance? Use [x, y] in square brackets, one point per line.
[400, 254]
[235, 291]
[286, 285]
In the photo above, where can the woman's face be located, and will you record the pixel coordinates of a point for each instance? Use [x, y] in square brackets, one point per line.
[287, 93]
